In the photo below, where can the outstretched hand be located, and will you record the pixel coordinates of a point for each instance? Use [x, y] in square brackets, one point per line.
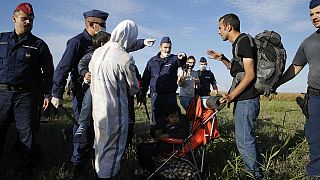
[214, 55]
[149, 42]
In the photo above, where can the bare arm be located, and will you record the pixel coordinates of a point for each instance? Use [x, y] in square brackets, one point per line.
[219, 57]
[249, 76]
[289, 74]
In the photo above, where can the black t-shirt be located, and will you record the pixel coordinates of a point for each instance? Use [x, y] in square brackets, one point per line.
[244, 50]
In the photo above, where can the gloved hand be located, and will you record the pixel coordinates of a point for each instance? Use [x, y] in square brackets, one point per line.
[182, 55]
[56, 102]
[149, 42]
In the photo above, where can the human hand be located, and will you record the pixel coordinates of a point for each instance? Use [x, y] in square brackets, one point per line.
[45, 103]
[182, 55]
[226, 98]
[141, 98]
[157, 133]
[214, 55]
[56, 102]
[149, 42]
[87, 78]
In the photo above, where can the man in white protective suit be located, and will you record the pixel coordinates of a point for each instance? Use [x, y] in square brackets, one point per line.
[112, 76]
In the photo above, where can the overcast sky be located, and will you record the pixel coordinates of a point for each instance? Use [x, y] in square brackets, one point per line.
[192, 26]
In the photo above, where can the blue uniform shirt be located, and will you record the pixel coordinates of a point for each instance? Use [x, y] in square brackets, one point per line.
[25, 61]
[76, 48]
[206, 79]
[161, 74]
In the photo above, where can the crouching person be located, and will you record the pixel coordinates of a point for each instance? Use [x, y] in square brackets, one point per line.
[173, 125]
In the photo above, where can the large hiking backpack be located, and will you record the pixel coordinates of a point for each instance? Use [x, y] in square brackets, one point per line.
[271, 61]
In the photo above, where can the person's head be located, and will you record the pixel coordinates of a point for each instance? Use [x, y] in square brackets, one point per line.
[191, 61]
[227, 24]
[314, 7]
[171, 114]
[22, 18]
[100, 39]
[95, 21]
[203, 64]
[125, 34]
[165, 47]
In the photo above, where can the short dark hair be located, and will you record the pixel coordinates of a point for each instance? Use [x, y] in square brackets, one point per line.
[169, 109]
[232, 20]
[191, 57]
[99, 38]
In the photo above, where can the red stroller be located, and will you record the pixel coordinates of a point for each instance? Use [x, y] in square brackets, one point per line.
[202, 113]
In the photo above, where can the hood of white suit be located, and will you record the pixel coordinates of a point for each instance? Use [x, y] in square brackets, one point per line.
[125, 34]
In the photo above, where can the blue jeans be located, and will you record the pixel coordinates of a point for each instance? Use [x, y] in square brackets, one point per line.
[246, 113]
[312, 131]
[86, 110]
[185, 101]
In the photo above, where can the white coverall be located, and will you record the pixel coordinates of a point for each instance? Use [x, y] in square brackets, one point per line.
[112, 75]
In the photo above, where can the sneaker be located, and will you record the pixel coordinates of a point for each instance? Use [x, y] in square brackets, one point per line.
[80, 131]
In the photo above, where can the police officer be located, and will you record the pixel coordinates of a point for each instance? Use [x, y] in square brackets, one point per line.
[77, 47]
[308, 53]
[206, 78]
[161, 75]
[25, 65]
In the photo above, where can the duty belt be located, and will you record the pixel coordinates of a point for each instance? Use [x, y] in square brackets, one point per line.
[5, 87]
[313, 91]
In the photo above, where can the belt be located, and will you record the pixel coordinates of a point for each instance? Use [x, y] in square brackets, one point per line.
[313, 91]
[5, 87]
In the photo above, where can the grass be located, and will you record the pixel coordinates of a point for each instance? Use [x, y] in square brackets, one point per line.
[279, 134]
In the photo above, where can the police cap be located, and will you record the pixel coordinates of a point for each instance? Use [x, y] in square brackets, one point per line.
[96, 13]
[165, 40]
[26, 8]
[203, 59]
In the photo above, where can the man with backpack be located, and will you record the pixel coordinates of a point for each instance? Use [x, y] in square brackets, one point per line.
[242, 92]
[308, 53]
[206, 78]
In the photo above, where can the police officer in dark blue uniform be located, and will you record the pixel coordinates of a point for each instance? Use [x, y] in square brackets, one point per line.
[77, 47]
[25, 65]
[161, 75]
[206, 78]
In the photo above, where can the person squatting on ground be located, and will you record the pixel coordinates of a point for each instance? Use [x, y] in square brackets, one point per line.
[112, 77]
[98, 40]
[206, 78]
[77, 47]
[188, 81]
[242, 92]
[160, 74]
[26, 66]
[308, 53]
[173, 125]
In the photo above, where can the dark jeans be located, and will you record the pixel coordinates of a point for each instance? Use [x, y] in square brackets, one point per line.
[18, 106]
[312, 131]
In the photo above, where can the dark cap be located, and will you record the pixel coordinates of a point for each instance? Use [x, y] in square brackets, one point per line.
[96, 13]
[165, 40]
[26, 8]
[314, 3]
[203, 59]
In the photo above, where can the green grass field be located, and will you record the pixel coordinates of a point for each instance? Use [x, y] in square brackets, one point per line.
[279, 132]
